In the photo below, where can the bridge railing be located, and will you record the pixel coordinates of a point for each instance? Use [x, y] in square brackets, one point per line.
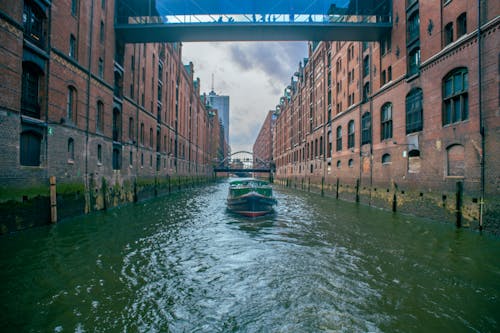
[253, 12]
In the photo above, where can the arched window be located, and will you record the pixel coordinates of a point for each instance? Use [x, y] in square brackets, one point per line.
[71, 149]
[339, 164]
[414, 162]
[366, 128]
[339, 138]
[71, 105]
[386, 159]
[455, 96]
[100, 117]
[30, 148]
[350, 163]
[461, 25]
[386, 122]
[455, 158]
[414, 111]
[350, 134]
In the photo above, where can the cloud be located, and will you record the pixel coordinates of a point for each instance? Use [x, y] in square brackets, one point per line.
[253, 75]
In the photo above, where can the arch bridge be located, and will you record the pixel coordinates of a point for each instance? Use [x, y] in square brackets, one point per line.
[243, 162]
[143, 21]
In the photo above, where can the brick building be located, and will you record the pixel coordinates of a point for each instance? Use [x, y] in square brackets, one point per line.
[263, 146]
[410, 122]
[78, 104]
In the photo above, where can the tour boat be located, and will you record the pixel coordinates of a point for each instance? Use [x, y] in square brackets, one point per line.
[250, 197]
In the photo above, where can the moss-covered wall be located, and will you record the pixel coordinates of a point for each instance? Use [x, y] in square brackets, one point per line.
[455, 207]
[22, 208]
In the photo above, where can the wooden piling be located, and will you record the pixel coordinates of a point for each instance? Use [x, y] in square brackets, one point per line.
[53, 200]
[460, 190]
[337, 190]
[357, 190]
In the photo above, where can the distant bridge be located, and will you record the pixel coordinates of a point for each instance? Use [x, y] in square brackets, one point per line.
[243, 162]
[142, 21]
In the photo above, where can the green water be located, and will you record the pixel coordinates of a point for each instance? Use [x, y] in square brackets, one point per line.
[184, 264]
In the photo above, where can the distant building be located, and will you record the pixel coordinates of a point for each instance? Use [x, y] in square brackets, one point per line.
[263, 146]
[221, 103]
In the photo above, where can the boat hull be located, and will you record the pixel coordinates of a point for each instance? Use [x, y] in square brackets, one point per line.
[251, 204]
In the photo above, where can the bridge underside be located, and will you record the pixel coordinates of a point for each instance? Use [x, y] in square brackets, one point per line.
[204, 32]
[141, 21]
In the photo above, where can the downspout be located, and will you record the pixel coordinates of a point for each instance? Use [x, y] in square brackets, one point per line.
[89, 79]
[371, 122]
[49, 49]
[481, 117]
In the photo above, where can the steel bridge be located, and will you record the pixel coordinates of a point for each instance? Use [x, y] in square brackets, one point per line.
[243, 162]
[143, 21]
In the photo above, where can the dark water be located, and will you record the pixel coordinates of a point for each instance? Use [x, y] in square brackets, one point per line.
[184, 264]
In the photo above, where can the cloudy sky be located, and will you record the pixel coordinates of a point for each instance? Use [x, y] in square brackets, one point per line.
[253, 74]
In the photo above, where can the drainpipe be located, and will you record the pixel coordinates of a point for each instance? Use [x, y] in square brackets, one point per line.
[89, 79]
[481, 116]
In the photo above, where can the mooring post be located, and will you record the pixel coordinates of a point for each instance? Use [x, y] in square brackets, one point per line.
[308, 184]
[460, 190]
[357, 190]
[322, 186]
[337, 191]
[53, 200]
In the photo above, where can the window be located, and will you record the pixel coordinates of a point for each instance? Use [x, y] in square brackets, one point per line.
[99, 154]
[350, 134]
[100, 117]
[130, 159]
[339, 138]
[413, 27]
[131, 128]
[350, 163]
[414, 61]
[30, 148]
[116, 125]
[103, 4]
[383, 78]
[455, 97]
[71, 105]
[33, 23]
[386, 122]
[74, 7]
[455, 156]
[366, 66]
[414, 111]
[366, 91]
[448, 33]
[339, 164]
[72, 47]
[116, 159]
[461, 25]
[30, 90]
[366, 128]
[101, 68]
[142, 133]
[386, 159]
[151, 137]
[389, 73]
[101, 32]
[71, 149]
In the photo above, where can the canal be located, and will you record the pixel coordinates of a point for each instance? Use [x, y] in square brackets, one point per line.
[182, 263]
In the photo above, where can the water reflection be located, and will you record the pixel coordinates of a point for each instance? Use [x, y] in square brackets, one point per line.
[183, 263]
